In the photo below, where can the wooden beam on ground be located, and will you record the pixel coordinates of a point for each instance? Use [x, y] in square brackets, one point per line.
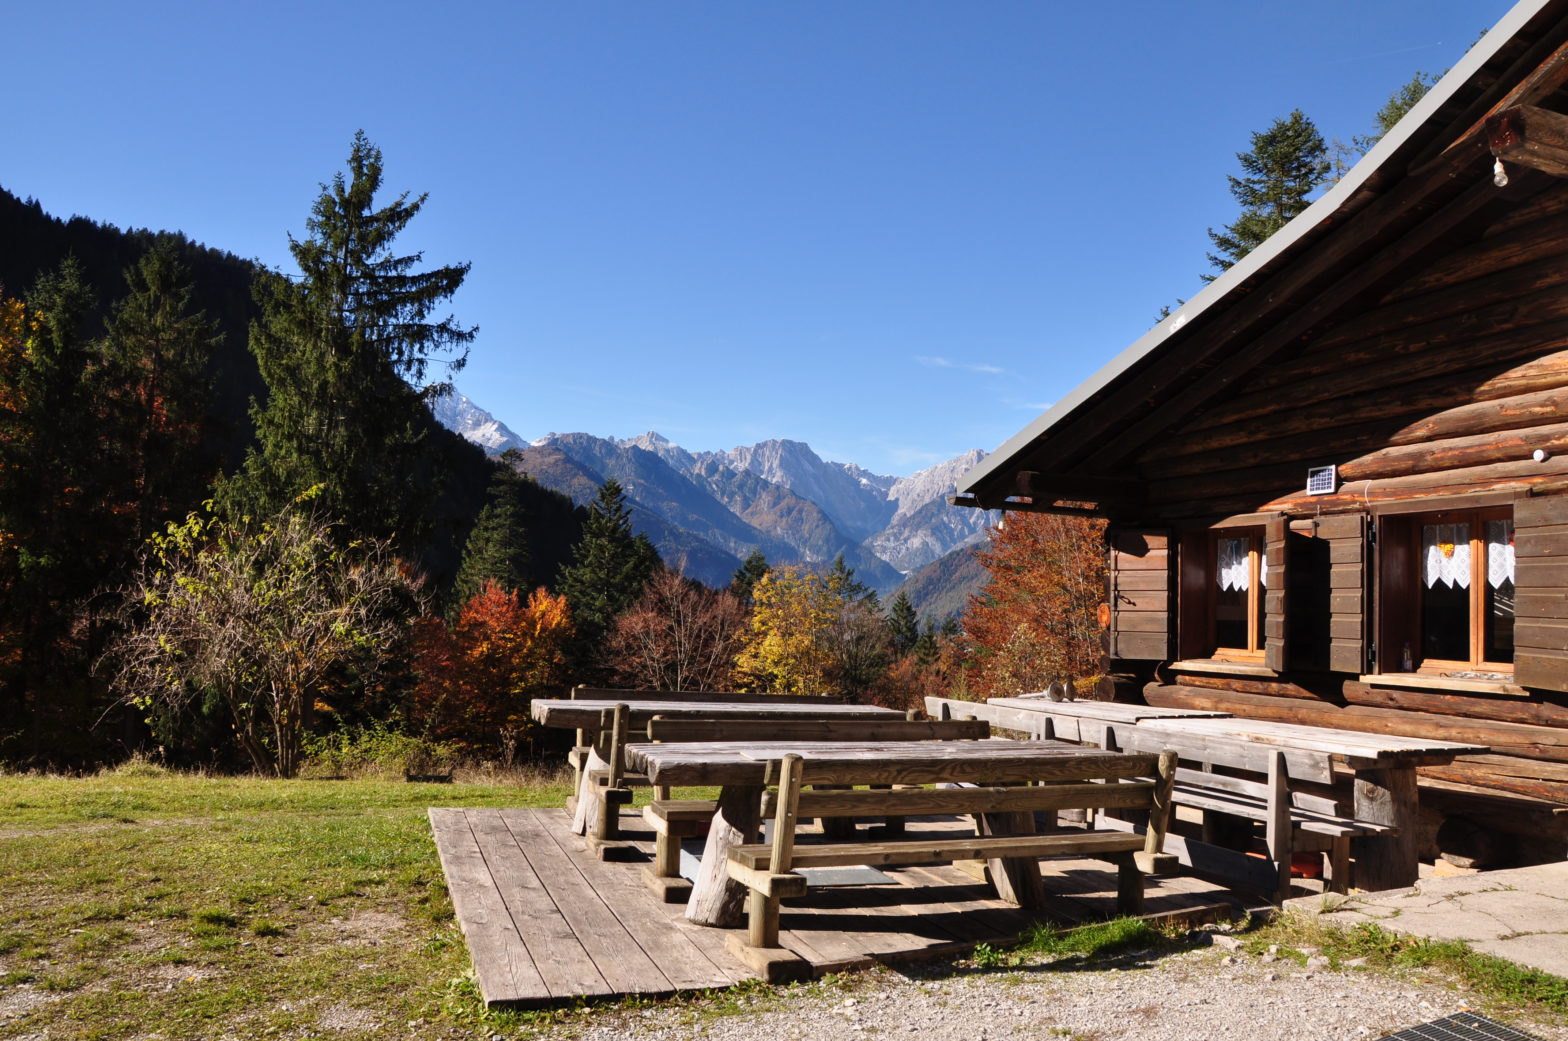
[1530, 136]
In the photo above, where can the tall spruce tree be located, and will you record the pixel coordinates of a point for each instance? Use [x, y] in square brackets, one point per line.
[609, 567]
[155, 360]
[903, 624]
[1287, 163]
[497, 548]
[748, 575]
[339, 349]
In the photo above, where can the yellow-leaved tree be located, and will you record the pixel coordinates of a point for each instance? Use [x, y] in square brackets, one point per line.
[786, 649]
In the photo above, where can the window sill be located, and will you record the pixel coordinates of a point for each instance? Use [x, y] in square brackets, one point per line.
[1457, 685]
[1220, 667]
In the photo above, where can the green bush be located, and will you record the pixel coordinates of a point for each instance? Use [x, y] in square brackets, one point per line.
[375, 750]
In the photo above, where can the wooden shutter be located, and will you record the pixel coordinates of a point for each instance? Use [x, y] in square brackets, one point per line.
[1275, 531]
[1346, 535]
[1541, 592]
[1140, 594]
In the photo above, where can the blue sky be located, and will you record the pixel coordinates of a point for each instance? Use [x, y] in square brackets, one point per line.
[893, 230]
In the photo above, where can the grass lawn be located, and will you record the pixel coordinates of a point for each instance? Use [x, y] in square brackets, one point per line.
[136, 906]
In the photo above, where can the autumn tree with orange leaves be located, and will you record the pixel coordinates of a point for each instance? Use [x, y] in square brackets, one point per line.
[475, 678]
[1035, 622]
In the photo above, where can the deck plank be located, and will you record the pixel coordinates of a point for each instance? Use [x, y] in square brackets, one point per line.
[567, 967]
[502, 964]
[684, 965]
[624, 966]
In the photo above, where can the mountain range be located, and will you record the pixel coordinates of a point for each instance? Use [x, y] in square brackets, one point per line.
[706, 511]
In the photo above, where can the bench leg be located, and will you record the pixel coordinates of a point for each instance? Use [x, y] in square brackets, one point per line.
[667, 854]
[1129, 888]
[1339, 865]
[762, 920]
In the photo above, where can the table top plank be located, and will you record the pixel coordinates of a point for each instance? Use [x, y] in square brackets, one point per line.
[1357, 747]
[572, 714]
[902, 762]
[1109, 711]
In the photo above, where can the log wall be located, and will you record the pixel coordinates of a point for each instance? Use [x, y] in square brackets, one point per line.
[1444, 384]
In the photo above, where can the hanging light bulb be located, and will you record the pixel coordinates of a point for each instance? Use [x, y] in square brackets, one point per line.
[1499, 175]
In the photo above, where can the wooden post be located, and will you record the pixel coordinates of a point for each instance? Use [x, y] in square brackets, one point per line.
[1386, 797]
[715, 898]
[763, 920]
[1276, 834]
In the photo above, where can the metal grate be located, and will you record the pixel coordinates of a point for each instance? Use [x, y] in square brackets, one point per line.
[1461, 1026]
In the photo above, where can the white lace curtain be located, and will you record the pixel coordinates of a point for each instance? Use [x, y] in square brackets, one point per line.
[1235, 565]
[1445, 552]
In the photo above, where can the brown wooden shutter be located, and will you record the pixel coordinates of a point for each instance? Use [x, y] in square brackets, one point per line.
[1276, 530]
[1346, 536]
[1140, 594]
[1194, 634]
[1541, 592]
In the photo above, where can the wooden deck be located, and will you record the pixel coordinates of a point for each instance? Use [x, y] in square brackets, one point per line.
[547, 922]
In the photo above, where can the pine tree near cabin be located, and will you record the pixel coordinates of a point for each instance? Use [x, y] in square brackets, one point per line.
[903, 624]
[339, 350]
[1286, 164]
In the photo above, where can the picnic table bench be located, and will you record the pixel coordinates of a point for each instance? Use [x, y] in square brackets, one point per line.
[675, 819]
[736, 871]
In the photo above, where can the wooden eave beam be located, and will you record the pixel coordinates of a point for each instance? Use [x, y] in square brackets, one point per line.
[1536, 74]
[1024, 505]
[1530, 136]
[1358, 280]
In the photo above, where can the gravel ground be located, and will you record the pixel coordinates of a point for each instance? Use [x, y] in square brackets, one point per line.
[1210, 994]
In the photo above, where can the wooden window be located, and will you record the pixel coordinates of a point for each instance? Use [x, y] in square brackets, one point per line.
[1237, 588]
[1448, 592]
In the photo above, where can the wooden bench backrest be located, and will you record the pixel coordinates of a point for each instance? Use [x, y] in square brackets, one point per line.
[586, 693]
[662, 729]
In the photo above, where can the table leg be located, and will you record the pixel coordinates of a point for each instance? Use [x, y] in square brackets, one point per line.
[715, 900]
[589, 804]
[1386, 796]
[1017, 879]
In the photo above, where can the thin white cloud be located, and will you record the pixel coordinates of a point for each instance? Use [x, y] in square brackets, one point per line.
[944, 363]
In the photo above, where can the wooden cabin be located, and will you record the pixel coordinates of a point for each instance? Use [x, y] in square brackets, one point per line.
[1336, 481]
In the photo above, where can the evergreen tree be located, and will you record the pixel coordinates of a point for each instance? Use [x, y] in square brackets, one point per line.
[497, 548]
[1287, 163]
[903, 624]
[154, 367]
[338, 350]
[1401, 101]
[849, 589]
[609, 567]
[748, 575]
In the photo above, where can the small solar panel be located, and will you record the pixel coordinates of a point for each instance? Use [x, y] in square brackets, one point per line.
[1461, 1026]
[1322, 480]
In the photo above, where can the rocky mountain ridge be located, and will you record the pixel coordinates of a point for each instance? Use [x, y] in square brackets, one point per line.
[707, 510]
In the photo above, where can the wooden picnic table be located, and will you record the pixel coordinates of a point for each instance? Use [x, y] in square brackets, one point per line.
[1384, 780]
[592, 717]
[740, 768]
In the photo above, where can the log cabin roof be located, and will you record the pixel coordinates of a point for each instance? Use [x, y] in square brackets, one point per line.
[1423, 184]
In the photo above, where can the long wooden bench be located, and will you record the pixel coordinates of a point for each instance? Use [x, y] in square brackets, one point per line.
[1007, 842]
[1290, 791]
[675, 819]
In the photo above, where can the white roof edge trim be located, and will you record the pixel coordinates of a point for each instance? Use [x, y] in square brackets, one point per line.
[1279, 242]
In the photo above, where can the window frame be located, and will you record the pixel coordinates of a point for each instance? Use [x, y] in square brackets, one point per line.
[1401, 590]
[1256, 593]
